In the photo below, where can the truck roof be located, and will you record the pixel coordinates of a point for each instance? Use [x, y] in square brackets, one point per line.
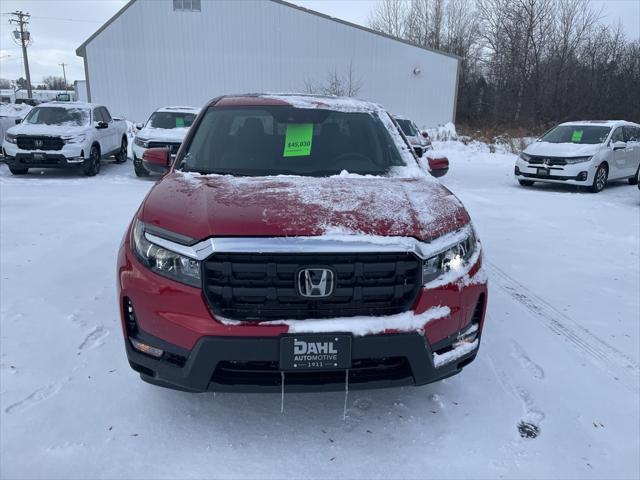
[297, 100]
[178, 109]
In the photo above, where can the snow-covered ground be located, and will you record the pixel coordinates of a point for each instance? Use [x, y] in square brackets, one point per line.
[560, 351]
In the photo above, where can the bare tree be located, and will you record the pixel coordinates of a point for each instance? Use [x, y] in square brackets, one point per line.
[389, 16]
[347, 85]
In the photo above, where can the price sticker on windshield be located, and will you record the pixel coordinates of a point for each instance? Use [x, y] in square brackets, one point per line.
[577, 136]
[297, 142]
[179, 122]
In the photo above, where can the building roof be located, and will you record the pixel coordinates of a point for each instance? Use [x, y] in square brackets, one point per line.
[81, 50]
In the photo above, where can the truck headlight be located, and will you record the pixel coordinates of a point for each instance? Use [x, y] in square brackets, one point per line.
[454, 257]
[571, 161]
[162, 261]
[141, 142]
[10, 137]
[74, 138]
[525, 157]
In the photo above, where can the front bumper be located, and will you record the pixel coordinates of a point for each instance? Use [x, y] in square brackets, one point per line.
[70, 156]
[250, 364]
[202, 351]
[576, 174]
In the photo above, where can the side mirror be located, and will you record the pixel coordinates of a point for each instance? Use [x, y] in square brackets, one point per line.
[18, 120]
[139, 126]
[156, 160]
[419, 151]
[100, 125]
[424, 134]
[619, 145]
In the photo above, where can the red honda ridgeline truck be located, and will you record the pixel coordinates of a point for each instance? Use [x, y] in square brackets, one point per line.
[295, 242]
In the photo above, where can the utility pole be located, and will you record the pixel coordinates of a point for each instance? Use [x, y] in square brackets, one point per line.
[23, 36]
[64, 74]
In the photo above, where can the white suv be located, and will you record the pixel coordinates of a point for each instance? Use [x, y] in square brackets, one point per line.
[73, 135]
[166, 128]
[586, 153]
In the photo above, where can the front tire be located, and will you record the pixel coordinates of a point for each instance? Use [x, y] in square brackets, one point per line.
[139, 169]
[18, 171]
[92, 164]
[599, 179]
[525, 183]
[636, 178]
[121, 156]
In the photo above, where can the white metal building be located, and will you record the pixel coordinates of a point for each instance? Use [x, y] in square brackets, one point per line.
[185, 52]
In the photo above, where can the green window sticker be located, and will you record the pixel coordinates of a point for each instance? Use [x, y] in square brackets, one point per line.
[179, 122]
[297, 142]
[577, 136]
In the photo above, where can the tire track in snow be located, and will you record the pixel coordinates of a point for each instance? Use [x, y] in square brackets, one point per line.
[534, 369]
[617, 364]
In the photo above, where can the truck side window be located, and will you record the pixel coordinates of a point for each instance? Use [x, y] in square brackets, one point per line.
[97, 115]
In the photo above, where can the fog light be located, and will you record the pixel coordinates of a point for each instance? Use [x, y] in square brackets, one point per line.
[144, 348]
[582, 176]
[517, 171]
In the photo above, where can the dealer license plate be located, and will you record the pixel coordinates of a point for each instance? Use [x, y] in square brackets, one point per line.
[315, 352]
[39, 156]
[543, 171]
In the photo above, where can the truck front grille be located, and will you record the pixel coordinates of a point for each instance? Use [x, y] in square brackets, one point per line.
[245, 286]
[27, 142]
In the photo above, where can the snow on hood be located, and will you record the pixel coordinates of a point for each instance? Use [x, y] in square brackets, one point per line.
[48, 130]
[202, 206]
[163, 134]
[562, 149]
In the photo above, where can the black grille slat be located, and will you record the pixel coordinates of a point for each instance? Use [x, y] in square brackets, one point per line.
[263, 286]
[551, 161]
[28, 142]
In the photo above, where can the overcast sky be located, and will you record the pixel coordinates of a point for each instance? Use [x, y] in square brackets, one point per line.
[59, 27]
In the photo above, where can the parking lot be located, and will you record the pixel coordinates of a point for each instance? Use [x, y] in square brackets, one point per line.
[554, 391]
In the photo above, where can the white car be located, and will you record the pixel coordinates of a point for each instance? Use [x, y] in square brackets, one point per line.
[412, 132]
[166, 127]
[65, 135]
[589, 153]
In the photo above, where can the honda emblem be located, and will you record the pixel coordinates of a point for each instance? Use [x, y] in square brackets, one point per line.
[316, 282]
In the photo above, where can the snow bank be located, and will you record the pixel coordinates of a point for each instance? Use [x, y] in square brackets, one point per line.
[359, 326]
[443, 132]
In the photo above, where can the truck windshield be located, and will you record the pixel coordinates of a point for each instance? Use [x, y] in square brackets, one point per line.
[259, 141]
[407, 127]
[58, 116]
[580, 134]
[169, 120]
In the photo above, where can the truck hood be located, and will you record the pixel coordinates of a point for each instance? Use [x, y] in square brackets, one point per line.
[206, 206]
[163, 134]
[48, 130]
[562, 149]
